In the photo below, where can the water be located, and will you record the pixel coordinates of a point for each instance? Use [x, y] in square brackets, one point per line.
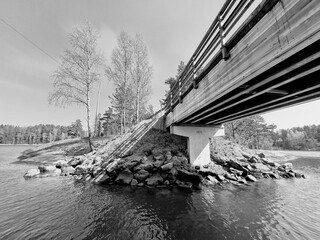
[59, 208]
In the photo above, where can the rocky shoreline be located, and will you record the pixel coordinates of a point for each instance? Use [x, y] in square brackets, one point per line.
[160, 160]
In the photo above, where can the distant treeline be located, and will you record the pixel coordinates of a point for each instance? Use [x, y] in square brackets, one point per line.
[255, 133]
[42, 133]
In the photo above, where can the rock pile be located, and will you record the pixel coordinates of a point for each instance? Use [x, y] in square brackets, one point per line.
[160, 160]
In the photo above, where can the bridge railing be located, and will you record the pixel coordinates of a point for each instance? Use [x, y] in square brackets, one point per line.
[212, 48]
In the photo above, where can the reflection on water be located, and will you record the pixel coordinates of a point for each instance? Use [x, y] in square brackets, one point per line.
[59, 208]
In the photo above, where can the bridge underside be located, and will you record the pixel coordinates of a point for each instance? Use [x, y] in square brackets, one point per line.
[274, 63]
[294, 81]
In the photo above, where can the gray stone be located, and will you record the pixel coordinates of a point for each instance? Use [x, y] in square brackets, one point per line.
[291, 174]
[61, 164]
[76, 161]
[298, 175]
[32, 173]
[183, 160]
[187, 176]
[147, 166]
[175, 161]
[274, 175]
[158, 157]
[134, 182]
[167, 166]
[242, 180]
[124, 177]
[220, 178]
[158, 164]
[287, 166]
[253, 159]
[167, 183]
[230, 176]
[251, 178]
[140, 184]
[212, 180]
[46, 168]
[80, 170]
[168, 156]
[174, 172]
[235, 165]
[154, 180]
[260, 167]
[261, 155]
[67, 170]
[141, 175]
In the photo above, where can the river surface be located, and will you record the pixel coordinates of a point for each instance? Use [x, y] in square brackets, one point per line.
[59, 208]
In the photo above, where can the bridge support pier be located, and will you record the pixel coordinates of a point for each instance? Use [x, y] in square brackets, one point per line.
[198, 143]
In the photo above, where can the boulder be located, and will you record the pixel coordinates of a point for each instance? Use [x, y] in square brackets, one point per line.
[147, 166]
[175, 161]
[183, 160]
[220, 178]
[187, 176]
[251, 178]
[291, 174]
[235, 165]
[167, 182]
[260, 167]
[141, 175]
[140, 184]
[131, 163]
[67, 170]
[102, 178]
[212, 180]
[46, 168]
[154, 180]
[261, 155]
[158, 157]
[124, 177]
[134, 182]
[242, 180]
[253, 159]
[167, 166]
[298, 175]
[158, 164]
[174, 172]
[168, 156]
[230, 177]
[32, 173]
[61, 164]
[76, 161]
[274, 175]
[80, 170]
[287, 166]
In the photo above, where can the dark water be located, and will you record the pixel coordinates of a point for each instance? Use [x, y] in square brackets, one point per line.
[59, 208]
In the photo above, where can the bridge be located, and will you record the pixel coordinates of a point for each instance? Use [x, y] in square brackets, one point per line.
[251, 60]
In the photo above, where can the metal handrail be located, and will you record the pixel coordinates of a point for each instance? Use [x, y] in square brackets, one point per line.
[229, 15]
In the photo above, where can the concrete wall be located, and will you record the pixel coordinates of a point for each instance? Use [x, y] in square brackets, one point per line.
[198, 144]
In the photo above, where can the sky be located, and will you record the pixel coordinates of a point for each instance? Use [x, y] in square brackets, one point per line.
[171, 29]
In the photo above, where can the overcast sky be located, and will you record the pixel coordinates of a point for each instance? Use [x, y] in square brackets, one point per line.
[171, 29]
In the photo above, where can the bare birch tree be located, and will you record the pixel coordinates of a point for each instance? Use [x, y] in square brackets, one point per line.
[141, 72]
[119, 73]
[78, 72]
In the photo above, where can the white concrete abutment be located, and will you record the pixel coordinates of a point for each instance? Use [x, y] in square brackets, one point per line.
[198, 143]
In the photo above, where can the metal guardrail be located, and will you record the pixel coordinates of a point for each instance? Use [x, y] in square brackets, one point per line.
[208, 53]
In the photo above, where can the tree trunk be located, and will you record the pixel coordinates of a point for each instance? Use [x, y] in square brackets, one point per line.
[88, 113]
